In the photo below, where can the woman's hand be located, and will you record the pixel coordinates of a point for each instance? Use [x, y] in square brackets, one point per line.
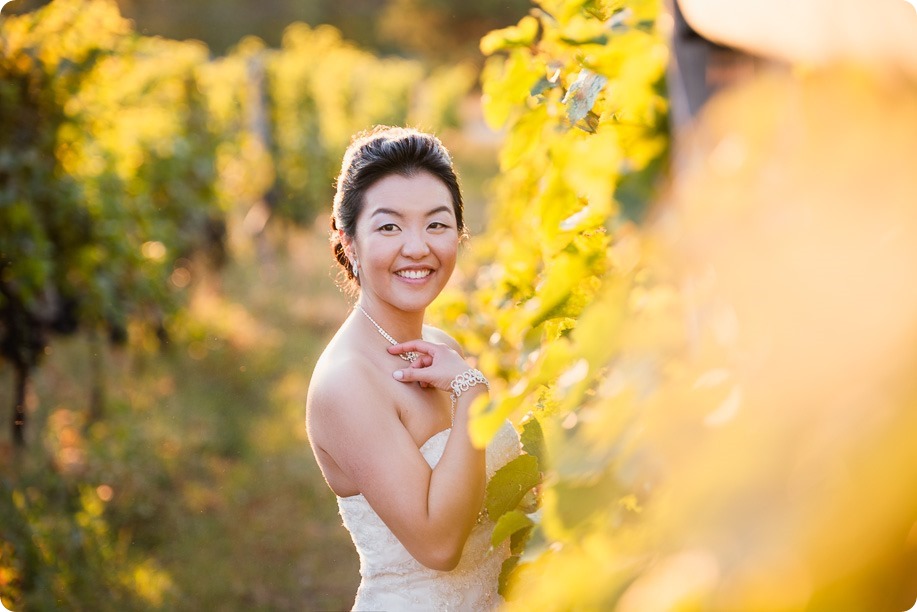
[436, 366]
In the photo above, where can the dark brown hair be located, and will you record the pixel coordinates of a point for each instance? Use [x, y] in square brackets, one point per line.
[375, 154]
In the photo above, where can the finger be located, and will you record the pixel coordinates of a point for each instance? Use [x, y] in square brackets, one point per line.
[409, 374]
[421, 346]
[422, 361]
[406, 375]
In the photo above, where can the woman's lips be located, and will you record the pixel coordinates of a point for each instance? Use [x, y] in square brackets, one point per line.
[414, 274]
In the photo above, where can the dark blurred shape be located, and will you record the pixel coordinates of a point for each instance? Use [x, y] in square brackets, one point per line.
[701, 67]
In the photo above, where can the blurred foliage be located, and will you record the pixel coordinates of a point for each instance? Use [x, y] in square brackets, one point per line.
[779, 433]
[717, 391]
[197, 491]
[443, 30]
[320, 90]
[725, 388]
[122, 155]
[437, 31]
[578, 88]
[125, 160]
[108, 173]
[52, 560]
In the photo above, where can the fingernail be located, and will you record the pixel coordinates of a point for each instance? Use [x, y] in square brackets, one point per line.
[398, 374]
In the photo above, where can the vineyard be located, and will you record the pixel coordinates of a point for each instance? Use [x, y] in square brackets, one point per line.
[705, 338]
[114, 141]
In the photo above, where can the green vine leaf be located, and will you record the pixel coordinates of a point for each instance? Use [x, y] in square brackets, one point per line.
[508, 524]
[508, 486]
[533, 441]
[506, 571]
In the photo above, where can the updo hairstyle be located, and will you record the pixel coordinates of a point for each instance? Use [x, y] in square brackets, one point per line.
[372, 156]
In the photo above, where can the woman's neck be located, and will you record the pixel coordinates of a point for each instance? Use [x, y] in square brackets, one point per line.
[399, 324]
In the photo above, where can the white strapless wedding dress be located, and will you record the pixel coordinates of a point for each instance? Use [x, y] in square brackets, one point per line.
[393, 580]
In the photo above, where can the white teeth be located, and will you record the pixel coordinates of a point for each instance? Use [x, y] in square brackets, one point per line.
[414, 273]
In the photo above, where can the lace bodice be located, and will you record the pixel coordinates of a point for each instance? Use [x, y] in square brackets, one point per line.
[393, 580]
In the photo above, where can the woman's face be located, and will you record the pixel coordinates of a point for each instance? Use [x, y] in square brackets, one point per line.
[406, 240]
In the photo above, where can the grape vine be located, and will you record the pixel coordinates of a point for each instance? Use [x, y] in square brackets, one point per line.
[121, 157]
[723, 389]
[578, 87]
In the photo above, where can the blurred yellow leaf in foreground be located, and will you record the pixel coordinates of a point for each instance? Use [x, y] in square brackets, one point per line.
[770, 449]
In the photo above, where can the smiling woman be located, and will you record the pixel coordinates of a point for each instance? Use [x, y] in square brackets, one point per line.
[388, 420]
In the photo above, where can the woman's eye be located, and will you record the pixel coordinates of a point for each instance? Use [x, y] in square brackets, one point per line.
[389, 227]
[437, 225]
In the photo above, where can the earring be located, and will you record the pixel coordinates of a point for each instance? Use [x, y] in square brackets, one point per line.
[355, 267]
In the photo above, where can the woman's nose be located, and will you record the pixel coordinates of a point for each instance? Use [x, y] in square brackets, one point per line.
[415, 245]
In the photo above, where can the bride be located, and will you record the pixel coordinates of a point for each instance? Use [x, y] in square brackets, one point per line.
[387, 410]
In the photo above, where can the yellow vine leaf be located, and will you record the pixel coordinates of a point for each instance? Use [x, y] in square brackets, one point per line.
[519, 35]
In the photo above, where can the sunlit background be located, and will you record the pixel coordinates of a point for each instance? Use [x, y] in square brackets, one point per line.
[704, 328]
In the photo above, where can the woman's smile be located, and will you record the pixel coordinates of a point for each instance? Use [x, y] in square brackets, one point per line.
[415, 274]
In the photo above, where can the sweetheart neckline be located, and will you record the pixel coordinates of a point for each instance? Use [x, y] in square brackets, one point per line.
[422, 446]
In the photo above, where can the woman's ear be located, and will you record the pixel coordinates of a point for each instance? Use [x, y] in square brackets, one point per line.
[347, 243]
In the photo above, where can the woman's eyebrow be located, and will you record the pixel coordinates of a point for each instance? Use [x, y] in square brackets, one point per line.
[395, 213]
[439, 209]
[386, 211]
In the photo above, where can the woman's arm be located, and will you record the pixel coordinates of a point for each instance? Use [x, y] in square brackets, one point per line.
[430, 511]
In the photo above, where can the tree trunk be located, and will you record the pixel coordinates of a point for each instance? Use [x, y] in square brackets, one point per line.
[19, 387]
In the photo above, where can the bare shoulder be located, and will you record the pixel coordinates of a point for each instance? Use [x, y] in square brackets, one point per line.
[342, 393]
[434, 334]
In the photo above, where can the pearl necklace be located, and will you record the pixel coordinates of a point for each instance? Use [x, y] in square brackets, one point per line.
[408, 356]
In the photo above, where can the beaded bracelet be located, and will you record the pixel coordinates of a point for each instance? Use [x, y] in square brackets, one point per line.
[463, 382]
